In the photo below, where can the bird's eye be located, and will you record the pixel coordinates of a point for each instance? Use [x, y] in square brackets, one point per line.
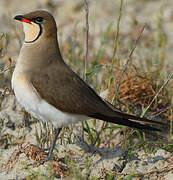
[39, 20]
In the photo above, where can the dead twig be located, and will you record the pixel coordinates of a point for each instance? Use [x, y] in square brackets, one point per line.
[87, 36]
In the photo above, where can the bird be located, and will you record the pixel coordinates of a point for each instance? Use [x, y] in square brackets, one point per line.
[50, 90]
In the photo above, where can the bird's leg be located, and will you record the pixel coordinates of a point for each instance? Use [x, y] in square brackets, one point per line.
[55, 136]
[56, 133]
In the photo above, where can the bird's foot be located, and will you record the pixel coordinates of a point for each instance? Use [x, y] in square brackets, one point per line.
[39, 148]
[39, 155]
[42, 161]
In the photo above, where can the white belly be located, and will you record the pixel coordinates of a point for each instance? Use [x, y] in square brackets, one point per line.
[29, 98]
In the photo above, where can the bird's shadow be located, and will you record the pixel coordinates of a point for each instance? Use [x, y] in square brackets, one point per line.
[106, 153]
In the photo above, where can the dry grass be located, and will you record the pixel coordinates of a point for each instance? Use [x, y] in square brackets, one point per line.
[138, 89]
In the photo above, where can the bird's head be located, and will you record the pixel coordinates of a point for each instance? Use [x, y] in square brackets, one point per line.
[37, 24]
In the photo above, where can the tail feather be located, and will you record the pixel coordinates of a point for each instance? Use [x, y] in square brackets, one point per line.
[125, 122]
[138, 119]
[120, 114]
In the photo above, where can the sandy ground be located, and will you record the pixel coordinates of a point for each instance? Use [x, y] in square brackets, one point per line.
[70, 15]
